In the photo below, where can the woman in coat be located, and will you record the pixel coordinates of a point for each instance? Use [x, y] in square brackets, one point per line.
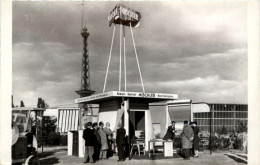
[104, 144]
[187, 137]
[109, 139]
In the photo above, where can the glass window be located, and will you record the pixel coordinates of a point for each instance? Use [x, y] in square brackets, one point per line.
[220, 114]
[198, 121]
[229, 114]
[237, 114]
[215, 122]
[206, 115]
[231, 122]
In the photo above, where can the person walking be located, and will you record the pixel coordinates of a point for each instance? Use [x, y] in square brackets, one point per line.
[187, 137]
[97, 143]
[104, 144]
[89, 137]
[120, 141]
[109, 139]
[196, 139]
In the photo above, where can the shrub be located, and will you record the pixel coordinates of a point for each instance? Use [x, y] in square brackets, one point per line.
[53, 139]
[64, 140]
[238, 143]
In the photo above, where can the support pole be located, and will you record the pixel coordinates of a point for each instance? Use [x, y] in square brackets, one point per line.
[137, 58]
[42, 130]
[124, 56]
[120, 66]
[126, 116]
[109, 58]
[210, 138]
[36, 125]
[127, 122]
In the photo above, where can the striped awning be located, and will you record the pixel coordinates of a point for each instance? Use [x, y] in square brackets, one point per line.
[68, 119]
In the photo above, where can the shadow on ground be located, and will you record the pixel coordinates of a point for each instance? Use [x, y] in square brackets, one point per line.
[155, 156]
[47, 159]
[236, 159]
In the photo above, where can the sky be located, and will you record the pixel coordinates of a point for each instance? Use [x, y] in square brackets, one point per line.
[196, 50]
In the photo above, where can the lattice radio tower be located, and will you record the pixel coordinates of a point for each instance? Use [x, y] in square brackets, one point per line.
[85, 72]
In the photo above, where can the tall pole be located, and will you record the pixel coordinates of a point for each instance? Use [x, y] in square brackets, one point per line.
[210, 140]
[124, 56]
[120, 66]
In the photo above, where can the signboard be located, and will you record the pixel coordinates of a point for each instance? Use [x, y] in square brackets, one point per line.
[124, 15]
[199, 108]
[127, 94]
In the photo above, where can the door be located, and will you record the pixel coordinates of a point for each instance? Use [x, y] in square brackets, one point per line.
[75, 144]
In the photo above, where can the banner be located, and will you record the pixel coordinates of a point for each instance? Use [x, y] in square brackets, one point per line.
[124, 15]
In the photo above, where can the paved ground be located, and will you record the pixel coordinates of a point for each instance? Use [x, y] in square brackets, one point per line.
[58, 156]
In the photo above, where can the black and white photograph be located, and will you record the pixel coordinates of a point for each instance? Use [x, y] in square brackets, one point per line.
[131, 82]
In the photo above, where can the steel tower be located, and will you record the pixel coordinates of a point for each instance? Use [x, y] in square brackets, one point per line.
[85, 74]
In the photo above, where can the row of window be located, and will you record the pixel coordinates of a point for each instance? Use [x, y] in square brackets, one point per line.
[221, 122]
[222, 115]
[215, 128]
[228, 107]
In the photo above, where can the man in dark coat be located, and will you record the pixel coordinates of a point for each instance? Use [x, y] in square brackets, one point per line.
[187, 138]
[89, 137]
[192, 153]
[97, 144]
[170, 132]
[120, 141]
[196, 139]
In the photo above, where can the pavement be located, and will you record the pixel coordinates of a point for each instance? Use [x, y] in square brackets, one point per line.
[58, 156]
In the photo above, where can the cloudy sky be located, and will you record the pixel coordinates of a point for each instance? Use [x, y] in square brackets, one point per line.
[196, 50]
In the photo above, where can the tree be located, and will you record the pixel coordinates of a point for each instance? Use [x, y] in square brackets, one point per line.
[22, 104]
[12, 102]
[242, 127]
[39, 103]
[43, 104]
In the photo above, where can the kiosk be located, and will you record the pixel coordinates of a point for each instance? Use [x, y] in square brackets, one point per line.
[130, 108]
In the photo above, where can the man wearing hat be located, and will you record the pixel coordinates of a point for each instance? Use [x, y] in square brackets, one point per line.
[120, 141]
[89, 137]
[170, 132]
[187, 138]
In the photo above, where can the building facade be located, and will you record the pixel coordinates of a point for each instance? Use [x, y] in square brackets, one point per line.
[228, 115]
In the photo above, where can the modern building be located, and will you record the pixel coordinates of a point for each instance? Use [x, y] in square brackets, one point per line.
[228, 115]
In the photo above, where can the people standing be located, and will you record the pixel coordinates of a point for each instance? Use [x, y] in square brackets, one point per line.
[187, 137]
[89, 137]
[196, 139]
[104, 145]
[192, 148]
[109, 139]
[97, 143]
[120, 141]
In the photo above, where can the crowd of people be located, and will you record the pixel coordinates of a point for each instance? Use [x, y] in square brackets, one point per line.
[189, 138]
[100, 144]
